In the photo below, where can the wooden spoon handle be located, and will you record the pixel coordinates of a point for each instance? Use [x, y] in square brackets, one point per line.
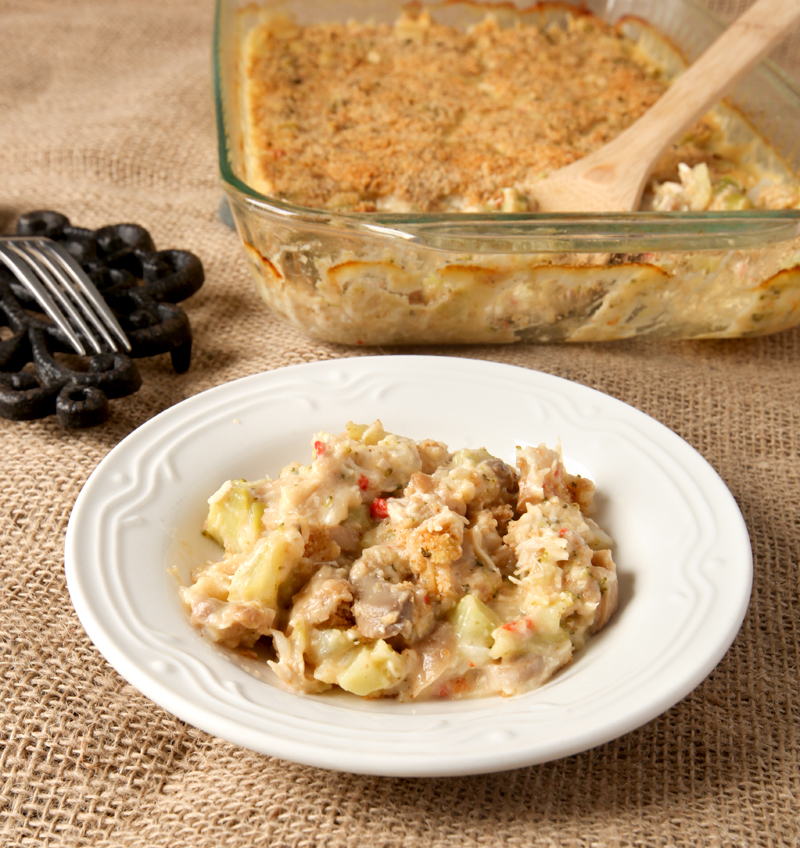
[613, 177]
[747, 40]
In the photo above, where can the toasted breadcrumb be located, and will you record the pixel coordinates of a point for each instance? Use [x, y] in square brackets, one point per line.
[421, 116]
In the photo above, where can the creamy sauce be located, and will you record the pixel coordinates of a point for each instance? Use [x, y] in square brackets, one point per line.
[392, 568]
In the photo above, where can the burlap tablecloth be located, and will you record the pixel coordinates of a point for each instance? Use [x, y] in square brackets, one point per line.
[107, 116]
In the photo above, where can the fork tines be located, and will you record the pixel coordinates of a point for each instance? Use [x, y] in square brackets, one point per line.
[64, 292]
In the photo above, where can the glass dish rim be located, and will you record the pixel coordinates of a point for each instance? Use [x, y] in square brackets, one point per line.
[543, 232]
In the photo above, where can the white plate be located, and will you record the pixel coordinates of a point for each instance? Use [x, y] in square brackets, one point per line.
[682, 550]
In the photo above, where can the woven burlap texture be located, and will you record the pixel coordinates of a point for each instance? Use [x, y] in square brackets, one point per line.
[108, 117]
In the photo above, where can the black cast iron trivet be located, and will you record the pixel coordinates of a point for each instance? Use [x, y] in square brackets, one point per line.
[139, 283]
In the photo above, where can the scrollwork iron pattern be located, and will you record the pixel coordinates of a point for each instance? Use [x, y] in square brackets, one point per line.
[142, 286]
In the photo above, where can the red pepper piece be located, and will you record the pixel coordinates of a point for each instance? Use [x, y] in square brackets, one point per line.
[379, 508]
[363, 483]
[319, 448]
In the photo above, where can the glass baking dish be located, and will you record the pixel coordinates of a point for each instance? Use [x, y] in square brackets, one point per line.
[377, 278]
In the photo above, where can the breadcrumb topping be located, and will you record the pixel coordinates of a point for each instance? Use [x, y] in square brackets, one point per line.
[421, 116]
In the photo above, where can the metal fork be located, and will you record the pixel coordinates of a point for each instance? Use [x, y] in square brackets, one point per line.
[64, 291]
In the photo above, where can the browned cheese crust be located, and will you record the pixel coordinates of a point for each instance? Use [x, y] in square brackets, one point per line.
[343, 115]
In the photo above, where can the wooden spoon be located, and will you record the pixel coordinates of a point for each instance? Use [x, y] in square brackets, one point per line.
[613, 178]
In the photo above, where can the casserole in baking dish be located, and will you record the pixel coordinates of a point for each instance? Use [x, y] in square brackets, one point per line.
[360, 234]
